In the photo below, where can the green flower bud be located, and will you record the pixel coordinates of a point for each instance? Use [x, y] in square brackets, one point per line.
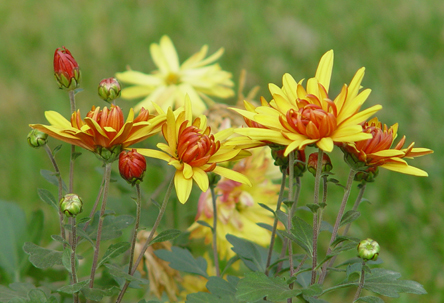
[312, 163]
[37, 138]
[109, 89]
[71, 205]
[108, 155]
[368, 249]
[353, 161]
[213, 178]
[368, 175]
[277, 153]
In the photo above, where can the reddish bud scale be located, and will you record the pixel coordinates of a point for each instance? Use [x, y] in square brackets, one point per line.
[109, 89]
[132, 166]
[312, 163]
[66, 69]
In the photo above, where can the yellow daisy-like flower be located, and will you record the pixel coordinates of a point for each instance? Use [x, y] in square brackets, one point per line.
[378, 151]
[194, 151]
[238, 209]
[104, 132]
[168, 85]
[298, 116]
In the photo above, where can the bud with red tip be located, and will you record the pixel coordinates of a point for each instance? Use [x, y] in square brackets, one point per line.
[132, 166]
[66, 69]
[71, 205]
[313, 163]
[277, 152]
[109, 89]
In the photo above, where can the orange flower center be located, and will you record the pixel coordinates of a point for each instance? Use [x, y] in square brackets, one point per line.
[380, 140]
[196, 148]
[311, 120]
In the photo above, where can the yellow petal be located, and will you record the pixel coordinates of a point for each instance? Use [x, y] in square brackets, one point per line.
[138, 78]
[152, 153]
[232, 175]
[169, 53]
[324, 70]
[187, 171]
[201, 178]
[355, 84]
[326, 144]
[224, 156]
[387, 153]
[56, 119]
[405, 169]
[137, 91]
[171, 129]
[183, 187]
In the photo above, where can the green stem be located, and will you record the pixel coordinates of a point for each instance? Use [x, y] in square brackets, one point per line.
[72, 102]
[361, 283]
[136, 228]
[315, 216]
[102, 217]
[60, 191]
[215, 254]
[355, 206]
[150, 237]
[289, 217]
[96, 203]
[73, 256]
[275, 222]
[348, 186]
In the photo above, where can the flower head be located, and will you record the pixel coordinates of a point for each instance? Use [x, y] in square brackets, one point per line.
[238, 209]
[171, 82]
[132, 166]
[298, 116]
[378, 152]
[193, 151]
[104, 132]
[66, 69]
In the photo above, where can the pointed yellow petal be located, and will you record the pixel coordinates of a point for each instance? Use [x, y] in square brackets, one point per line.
[324, 70]
[138, 78]
[152, 153]
[56, 119]
[387, 153]
[201, 178]
[183, 186]
[405, 169]
[187, 171]
[138, 91]
[355, 84]
[232, 175]
[326, 144]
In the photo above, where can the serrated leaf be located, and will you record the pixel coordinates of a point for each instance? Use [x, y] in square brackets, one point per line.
[303, 233]
[314, 300]
[219, 287]
[249, 252]
[204, 297]
[349, 217]
[370, 299]
[74, 288]
[181, 259]
[264, 206]
[47, 197]
[96, 294]
[203, 223]
[166, 235]
[353, 269]
[59, 238]
[113, 251]
[118, 272]
[41, 257]
[256, 285]
[347, 246]
[51, 177]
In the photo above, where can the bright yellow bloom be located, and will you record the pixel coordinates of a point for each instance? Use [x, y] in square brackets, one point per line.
[102, 131]
[168, 85]
[238, 209]
[194, 151]
[377, 151]
[298, 116]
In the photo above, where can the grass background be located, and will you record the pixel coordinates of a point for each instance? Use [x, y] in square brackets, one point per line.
[400, 42]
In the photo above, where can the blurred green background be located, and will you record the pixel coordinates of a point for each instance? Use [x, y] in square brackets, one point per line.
[400, 42]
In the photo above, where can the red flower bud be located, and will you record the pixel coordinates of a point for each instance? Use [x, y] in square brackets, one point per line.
[109, 89]
[313, 163]
[66, 69]
[132, 166]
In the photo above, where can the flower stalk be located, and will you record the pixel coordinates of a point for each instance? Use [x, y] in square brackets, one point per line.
[315, 216]
[361, 282]
[136, 228]
[215, 254]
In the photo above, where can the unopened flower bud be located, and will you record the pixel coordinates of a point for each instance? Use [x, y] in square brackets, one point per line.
[66, 69]
[109, 89]
[353, 161]
[37, 138]
[368, 175]
[312, 163]
[71, 205]
[277, 153]
[132, 166]
[368, 249]
[213, 178]
[108, 155]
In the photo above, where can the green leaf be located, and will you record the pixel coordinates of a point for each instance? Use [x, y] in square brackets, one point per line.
[56, 149]
[340, 239]
[205, 297]
[66, 258]
[51, 177]
[203, 223]
[76, 155]
[344, 247]
[166, 235]
[313, 207]
[113, 251]
[349, 217]
[84, 235]
[96, 294]
[74, 288]
[59, 238]
[37, 296]
[112, 226]
[303, 233]
[386, 283]
[264, 206]
[253, 255]
[119, 272]
[265, 226]
[256, 285]
[12, 236]
[7, 294]
[181, 259]
[47, 197]
[219, 287]
[282, 217]
[326, 226]
[314, 300]
[370, 299]
[221, 291]
[41, 257]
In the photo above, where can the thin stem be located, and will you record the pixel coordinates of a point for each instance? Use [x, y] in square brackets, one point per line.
[361, 283]
[150, 237]
[315, 216]
[289, 217]
[60, 191]
[136, 228]
[96, 203]
[338, 221]
[73, 256]
[72, 100]
[275, 223]
[99, 228]
[215, 254]
[355, 206]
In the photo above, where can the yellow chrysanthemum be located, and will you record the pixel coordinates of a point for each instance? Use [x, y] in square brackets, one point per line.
[238, 209]
[298, 116]
[378, 151]
[168, 85]
[194, 151]
[102, 130]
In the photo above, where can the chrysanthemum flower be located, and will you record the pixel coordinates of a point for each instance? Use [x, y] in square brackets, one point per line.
[238, 211]
[104, 132]
[194, 151]
[298, 116]
[168, 85]
[378, 151]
